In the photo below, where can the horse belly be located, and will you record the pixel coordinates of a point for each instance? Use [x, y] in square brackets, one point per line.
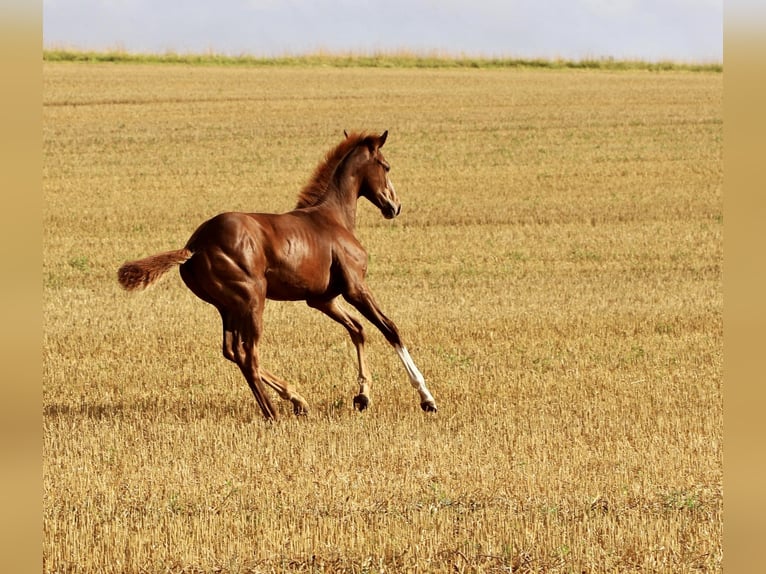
[297, 278]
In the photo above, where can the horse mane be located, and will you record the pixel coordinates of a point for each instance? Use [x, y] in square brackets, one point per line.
[316, 188]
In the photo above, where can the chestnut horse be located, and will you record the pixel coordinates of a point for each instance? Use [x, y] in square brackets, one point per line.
[235, 261]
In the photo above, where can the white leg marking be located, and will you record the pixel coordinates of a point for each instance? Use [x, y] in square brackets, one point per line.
[416, 377]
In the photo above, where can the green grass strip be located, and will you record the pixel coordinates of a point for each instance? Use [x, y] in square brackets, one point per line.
[381, 60]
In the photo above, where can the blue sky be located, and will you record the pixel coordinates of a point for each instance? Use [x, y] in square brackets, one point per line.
[681, 30]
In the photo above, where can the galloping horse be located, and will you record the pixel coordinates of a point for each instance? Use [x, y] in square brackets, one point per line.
[235, 261]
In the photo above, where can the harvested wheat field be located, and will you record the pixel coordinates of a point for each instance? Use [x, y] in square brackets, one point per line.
[556, 273]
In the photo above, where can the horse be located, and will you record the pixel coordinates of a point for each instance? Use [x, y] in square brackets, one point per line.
[235, 261]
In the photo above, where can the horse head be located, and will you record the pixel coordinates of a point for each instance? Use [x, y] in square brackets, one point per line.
[376, 185]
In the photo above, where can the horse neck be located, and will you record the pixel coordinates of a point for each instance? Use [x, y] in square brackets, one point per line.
[345, 193]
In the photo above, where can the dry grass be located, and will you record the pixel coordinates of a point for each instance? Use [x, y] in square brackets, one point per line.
[556, 271]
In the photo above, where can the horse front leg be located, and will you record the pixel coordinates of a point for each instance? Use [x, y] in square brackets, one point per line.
[361, 298]
[356, 331]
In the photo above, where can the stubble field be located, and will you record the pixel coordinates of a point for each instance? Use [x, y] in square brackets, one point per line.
[556, 273]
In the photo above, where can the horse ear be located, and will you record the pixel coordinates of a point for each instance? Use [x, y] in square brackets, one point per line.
[345, 134]
[382, 138]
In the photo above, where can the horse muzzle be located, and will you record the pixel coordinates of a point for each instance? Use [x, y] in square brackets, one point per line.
[391, 209]
[391, 206]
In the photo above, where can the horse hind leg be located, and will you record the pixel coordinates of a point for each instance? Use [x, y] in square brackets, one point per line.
[232, 349]
[240, 344]
[230, 346]
[251, 371]
[241, 315]
[286, 392]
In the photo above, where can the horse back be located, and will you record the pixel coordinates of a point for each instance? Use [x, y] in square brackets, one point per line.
[290, 255]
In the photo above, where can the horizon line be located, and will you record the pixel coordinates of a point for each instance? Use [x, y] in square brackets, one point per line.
[369, 58]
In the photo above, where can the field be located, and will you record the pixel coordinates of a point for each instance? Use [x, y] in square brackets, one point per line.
[556, 273]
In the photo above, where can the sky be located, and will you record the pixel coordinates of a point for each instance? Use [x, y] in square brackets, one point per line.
[654, 30]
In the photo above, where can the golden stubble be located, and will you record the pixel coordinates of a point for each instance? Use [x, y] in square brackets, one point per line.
[555, 272]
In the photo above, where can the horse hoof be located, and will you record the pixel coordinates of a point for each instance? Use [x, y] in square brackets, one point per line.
[361, 402]
[300, 410]
[428, 407]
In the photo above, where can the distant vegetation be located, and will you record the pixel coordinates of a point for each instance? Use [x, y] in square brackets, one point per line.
[377, 60]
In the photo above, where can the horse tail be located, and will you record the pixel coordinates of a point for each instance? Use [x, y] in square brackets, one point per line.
[139, 274]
